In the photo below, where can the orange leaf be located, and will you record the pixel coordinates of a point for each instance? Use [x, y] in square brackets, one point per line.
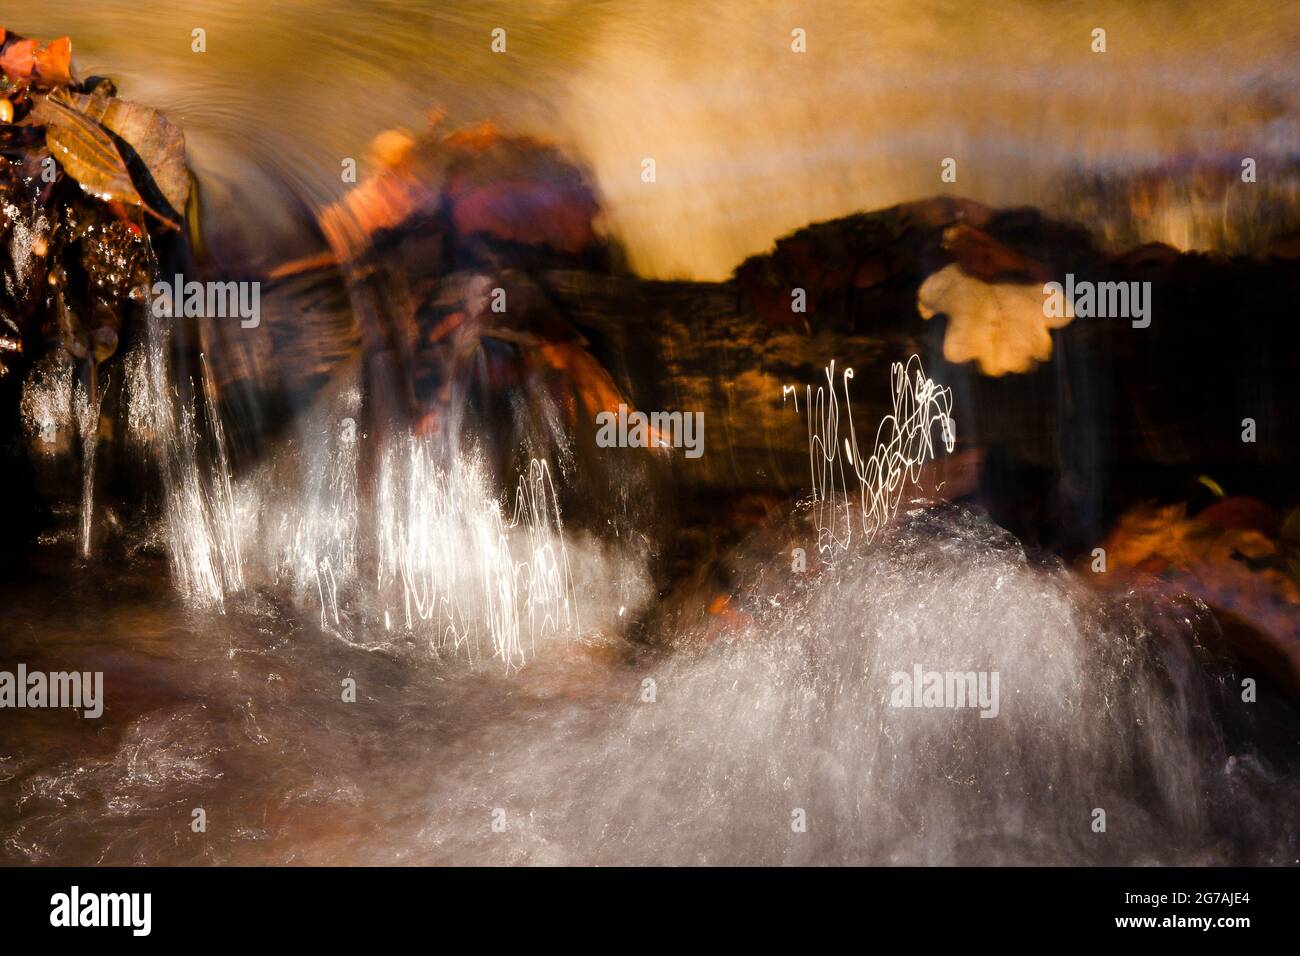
[19, 59]
[54, 63]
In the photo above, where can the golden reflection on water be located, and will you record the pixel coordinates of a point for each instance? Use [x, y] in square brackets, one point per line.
[750, 139]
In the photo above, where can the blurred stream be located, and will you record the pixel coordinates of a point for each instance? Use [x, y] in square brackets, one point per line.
[487, 642]
[751, 140]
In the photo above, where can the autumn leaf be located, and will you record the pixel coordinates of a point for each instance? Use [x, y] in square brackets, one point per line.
[983, 257]
[87, 152]
[159, 143]
[54, 63]
[1001, 325]
[26, 60]
[18, 61]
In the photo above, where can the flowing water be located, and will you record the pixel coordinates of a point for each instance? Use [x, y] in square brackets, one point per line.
[751, 140]
[500, 712]
[1103, 704]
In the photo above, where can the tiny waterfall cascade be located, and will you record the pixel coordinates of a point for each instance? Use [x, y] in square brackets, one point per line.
[423, 547]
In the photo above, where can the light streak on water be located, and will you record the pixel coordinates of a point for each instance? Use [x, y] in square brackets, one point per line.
[86, 408]
[904, 443]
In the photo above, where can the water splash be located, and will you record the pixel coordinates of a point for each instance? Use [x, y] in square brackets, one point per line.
[87, 401]
[60, 414]
[317, 543]
[904, 443]
[424, 548]
[28, 233]
[204, 526]
[46, 403]
[449, 560]
[1105, 704]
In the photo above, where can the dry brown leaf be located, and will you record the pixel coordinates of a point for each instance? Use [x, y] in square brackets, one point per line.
[87, 152]
[159, 143]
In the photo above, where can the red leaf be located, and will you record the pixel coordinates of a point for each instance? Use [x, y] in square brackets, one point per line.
[19, 60]
[26, 60]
